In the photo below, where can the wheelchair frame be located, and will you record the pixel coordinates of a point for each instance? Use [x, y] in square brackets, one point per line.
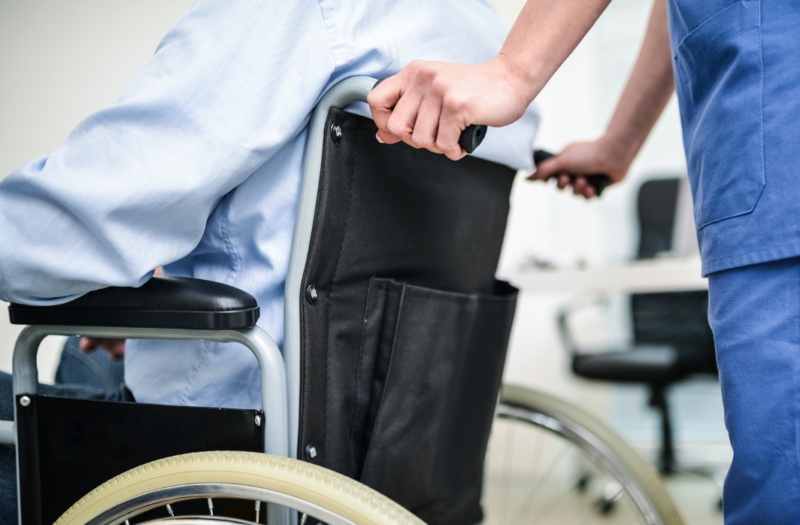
[280, 374]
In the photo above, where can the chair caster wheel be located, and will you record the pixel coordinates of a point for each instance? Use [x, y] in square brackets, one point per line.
[604, 506]
[582, 485]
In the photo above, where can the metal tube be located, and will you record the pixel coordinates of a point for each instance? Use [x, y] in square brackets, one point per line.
[8, 435]
[273, 373]
[25, 380]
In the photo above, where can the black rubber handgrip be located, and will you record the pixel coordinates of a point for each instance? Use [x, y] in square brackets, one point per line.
[470, 138]
[598, 181]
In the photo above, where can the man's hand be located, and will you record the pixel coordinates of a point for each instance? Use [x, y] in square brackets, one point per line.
[114, 347]
[580, 159]
[428, 104]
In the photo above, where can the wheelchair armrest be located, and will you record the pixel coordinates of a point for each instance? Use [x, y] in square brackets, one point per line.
[162, 302]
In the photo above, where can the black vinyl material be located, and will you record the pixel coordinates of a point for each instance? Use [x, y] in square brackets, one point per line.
[672, 340]
[403, 347]
[162, 302]
[68, 447]
[656, 205]
[649, 364]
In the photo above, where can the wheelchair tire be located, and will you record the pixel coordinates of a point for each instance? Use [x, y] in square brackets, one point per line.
[319, 492]
[551, 462]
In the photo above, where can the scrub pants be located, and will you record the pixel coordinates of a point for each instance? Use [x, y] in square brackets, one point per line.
[754, 312]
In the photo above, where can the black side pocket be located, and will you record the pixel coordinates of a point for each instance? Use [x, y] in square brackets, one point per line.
[380, 323]
[445, 360]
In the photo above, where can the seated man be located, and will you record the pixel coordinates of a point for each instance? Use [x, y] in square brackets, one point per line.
[197, 168]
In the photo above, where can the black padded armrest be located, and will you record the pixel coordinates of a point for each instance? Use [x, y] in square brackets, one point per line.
[163, 302]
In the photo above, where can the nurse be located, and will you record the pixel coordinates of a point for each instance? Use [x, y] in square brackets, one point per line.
[736, 68]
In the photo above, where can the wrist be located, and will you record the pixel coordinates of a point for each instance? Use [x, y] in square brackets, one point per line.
[618, 152]
[517, 75]
[622, 146]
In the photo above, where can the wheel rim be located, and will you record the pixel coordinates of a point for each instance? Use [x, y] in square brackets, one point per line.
[544, 469]
[135, 509]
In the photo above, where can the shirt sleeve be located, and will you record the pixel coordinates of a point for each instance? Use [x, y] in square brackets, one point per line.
[133, 185]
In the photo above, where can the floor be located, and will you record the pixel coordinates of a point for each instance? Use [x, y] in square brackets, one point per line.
[697, 499]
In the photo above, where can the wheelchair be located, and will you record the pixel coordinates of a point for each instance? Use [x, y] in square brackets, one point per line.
[387, 394]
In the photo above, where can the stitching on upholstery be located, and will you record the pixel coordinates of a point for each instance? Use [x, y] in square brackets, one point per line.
[351, 179]
[359, 365]
[381, 405]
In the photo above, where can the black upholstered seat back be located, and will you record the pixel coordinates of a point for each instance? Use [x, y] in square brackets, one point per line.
[404, 342]
[677, 319]
[655, 207]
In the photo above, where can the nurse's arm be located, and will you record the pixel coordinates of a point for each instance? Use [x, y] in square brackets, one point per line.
[428, 104]
[645, 96]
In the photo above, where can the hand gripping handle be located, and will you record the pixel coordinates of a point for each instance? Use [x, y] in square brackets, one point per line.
[599, 181]
[470, 138]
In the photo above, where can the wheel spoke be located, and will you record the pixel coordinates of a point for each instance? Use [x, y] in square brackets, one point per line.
[571, 465]
[508, 453]
[551, 507]
[533, 494]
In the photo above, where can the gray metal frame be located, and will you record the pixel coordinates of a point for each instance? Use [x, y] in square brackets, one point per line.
[273, 376]
[273, 371]
[353, 89]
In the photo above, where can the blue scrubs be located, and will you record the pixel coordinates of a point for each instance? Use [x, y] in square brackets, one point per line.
[737, 75]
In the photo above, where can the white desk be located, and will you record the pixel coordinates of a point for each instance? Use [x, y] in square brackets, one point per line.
[654, 275]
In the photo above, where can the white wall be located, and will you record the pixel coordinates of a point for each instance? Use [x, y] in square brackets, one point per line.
[61, 61]
[576, 105]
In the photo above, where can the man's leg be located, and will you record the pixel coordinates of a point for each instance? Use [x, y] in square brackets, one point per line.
[95, 369]
[755, 314]
[8, 466]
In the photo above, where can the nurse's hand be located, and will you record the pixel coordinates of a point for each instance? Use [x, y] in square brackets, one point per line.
[579, 159]
[428, 104]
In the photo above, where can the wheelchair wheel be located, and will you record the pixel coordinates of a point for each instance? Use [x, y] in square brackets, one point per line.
[551, 462]
[216, 488]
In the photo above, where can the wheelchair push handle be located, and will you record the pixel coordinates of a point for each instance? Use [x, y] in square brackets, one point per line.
[470, 138]
[598, 181]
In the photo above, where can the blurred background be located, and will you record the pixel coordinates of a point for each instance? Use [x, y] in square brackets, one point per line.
[61, 61]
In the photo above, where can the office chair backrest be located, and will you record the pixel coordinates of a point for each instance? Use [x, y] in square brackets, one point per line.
[403, 326]
[656, 207]
[671, 318]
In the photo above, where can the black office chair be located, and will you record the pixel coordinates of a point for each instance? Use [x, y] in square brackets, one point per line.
[671, 336]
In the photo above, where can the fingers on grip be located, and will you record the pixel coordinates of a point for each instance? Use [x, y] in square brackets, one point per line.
[596, 182]
[421, 129]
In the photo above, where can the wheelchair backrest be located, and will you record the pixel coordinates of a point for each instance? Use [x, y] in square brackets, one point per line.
[404, 328]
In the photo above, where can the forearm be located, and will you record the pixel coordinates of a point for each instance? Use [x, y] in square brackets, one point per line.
[647, 92]
[544, 35]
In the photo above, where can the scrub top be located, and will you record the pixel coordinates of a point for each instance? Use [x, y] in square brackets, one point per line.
[737, 75]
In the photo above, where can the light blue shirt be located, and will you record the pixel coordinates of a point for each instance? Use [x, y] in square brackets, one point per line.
[197, 166]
